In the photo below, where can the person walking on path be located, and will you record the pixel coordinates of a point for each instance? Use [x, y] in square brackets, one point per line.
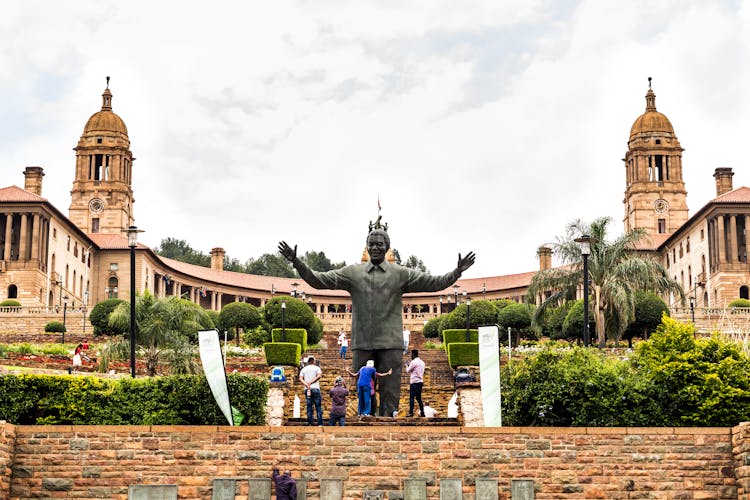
[406, 334]
[415, 369]
[310, 378]
[77, 359]
[339, 392]
[344, 343]
[286, 487]
[366, 386]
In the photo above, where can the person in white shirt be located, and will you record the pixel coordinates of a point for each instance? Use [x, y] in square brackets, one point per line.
[406, 334]
[415, 369]
[429, 411]
[344, 343]
[310, 378]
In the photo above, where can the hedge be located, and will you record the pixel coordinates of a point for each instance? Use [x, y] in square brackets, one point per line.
[282, 353]
[459, 335]
[87, 400]
[55, 327]
[463, 354]
[294, 335]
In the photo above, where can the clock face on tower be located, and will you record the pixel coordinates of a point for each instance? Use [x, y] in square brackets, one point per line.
[661, 206]
[96, 205]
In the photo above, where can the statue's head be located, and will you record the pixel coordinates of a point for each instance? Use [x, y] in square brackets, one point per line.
[378, 243]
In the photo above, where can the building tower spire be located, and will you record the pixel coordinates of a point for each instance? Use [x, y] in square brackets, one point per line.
[102, 194]
[655, 196]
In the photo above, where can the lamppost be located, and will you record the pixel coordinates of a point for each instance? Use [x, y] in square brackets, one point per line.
[484, 291]
[585, 242]
[455, 295]
[441, 304]
[294, 289]
[692, 310]
[468, 315]
[283, 320]
[273, 289]
[132, 243]
[65, 313]
[85, 306]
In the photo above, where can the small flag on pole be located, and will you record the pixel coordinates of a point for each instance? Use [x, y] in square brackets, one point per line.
[378, 203]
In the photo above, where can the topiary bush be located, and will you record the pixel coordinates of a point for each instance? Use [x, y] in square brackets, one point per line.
[458, 335]
[282, 353]
[740, 303]
[483, 312]
[10, 303]
[297, 315]
[55, 327]
[99, 317]
[463, 354]
[433, 328]
[256, 337]
[296, 335]
[238, 315]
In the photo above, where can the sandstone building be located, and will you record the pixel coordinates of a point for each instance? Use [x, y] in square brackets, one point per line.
[49, 259]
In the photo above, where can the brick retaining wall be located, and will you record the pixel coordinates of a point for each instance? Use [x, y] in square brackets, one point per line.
[565, 463]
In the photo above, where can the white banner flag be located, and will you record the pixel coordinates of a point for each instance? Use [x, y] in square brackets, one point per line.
[489, 372]
[213, 366]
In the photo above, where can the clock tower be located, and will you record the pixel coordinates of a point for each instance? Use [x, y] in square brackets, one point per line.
[102, 193]
[655, 196]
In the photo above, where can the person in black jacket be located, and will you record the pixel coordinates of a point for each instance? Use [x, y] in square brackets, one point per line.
[286, 487]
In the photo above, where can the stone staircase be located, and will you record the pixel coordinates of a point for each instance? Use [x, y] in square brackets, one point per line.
[437, 391]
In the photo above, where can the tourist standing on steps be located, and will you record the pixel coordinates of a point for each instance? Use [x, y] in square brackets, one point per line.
[415, 369]
[406, 334]
[366, 387]
[339, 392]
[286, 487]
[344, 343]
[310, 378]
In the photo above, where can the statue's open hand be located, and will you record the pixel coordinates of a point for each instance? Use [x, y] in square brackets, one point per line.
[466, 262]
[288, 252]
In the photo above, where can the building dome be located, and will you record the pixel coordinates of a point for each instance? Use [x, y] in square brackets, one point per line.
[105, 120]
[651, 120]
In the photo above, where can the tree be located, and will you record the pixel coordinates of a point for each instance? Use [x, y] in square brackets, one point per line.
[414, 262]
[483, 312]
[317, 261]
[99, 317]
[164, 330]
[296, 315]
[239, 315]
[615, 273]
[517, 317]
[270, 265]
[180, 250]
[649, 309]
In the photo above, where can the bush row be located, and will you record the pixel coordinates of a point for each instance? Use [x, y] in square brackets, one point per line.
[83, 400]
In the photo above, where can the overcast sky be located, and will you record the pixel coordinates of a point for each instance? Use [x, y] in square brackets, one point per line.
[480, 125]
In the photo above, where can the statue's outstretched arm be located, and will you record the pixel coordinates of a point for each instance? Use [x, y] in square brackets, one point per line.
[288, 252]
[465, 263]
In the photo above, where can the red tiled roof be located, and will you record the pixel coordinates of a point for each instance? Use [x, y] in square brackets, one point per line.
[15, 193]
[739, 195]
[107, 241]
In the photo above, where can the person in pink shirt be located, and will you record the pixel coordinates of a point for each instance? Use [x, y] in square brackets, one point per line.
[415, 369]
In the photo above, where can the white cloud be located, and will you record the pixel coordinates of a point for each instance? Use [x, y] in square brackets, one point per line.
[485, 126]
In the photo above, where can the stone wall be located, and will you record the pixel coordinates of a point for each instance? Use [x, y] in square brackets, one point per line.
[7, 447]
[564, 463]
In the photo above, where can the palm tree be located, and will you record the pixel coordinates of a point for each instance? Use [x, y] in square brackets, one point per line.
[165, 329]
[616, 272]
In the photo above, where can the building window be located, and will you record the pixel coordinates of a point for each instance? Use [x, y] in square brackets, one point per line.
[662, 226]
[687, 244]
[701, 234]
[54, 232]
[68, 244]
[681, 254]
[95, 225]
[113, 266]
[111, 290]
[75, 250]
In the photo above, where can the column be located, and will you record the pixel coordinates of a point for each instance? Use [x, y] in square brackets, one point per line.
[218, 301]
[35, 237]
[22, 254]
[721, 249]
[213, 300]
[745, 237]
[8, 234]
[733, 249]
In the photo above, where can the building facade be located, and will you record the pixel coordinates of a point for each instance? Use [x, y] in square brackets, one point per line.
[49, 258]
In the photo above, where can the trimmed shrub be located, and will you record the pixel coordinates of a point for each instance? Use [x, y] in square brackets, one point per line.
[55, 327]
[458, 335]
[282, 353]
[99, 317]
[173, 400]
[296, 335]
[649, 309]
[297, 315]
[10, 303]
[434, 327]
[256, 337]
[238, 315]
[483, 312]
[740, 303]
[463, 354]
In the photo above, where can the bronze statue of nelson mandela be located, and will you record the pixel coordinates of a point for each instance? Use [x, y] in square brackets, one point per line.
[376, 288]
